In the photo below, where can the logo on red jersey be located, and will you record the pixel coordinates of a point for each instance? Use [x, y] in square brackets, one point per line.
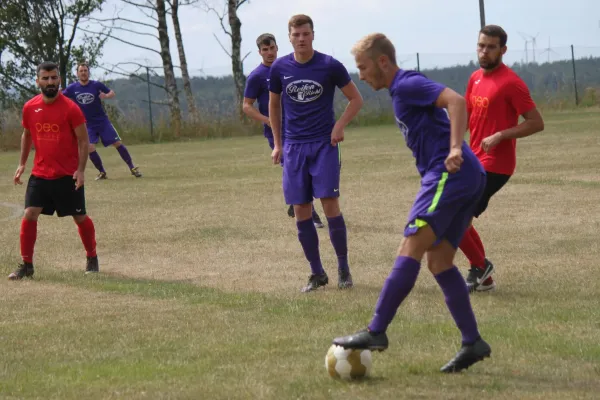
[479, 105]
[47, 131]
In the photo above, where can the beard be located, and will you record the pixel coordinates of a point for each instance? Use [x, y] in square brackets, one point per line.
[488, 65]
[50, 91]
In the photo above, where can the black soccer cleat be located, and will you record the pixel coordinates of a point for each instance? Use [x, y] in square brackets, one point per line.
[290, 211]
[363, 339]
[467, 356]
[315, 282]
[477, 275]
[345, 280]
[92, 266]
[136, 172]
[24, 270]
[101, 176]
[317, 220]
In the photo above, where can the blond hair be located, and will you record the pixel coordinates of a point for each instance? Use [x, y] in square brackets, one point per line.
[374, 45]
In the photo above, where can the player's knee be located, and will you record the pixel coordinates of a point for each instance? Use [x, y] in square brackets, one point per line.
[303, 211]
[79, 219]
[331, 207]
[117, 144]
[440, 258]
[91, 148]
[32, 214]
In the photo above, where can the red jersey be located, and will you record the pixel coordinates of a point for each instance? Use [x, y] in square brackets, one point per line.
[52, 128]
[494, 102]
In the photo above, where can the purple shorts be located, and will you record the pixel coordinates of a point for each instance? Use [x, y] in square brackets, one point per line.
[310, 170]
[102, 130]
[447, 203]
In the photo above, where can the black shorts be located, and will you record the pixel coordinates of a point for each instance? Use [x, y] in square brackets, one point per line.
[55, 195]
[493, 183]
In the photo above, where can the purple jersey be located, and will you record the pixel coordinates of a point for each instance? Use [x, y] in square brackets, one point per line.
[86, 97]
[257, 87]
[307, 99]
[426, 128]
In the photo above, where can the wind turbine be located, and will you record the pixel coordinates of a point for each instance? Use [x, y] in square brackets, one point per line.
[549, 50]
[526, 52]
[532, 41]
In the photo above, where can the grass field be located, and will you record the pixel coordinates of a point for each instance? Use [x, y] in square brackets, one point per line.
[199, 298]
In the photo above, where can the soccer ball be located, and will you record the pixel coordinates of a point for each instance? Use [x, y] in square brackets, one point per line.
[347, 363]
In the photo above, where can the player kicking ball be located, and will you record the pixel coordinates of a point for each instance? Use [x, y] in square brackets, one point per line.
[452, 181]
[87, 94]
[257, 90]
[56, 127]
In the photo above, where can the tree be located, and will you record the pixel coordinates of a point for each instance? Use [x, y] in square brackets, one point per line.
[235, 35]
[187, 86]
[32, 31]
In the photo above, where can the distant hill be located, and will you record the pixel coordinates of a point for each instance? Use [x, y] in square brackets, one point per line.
[548, 82]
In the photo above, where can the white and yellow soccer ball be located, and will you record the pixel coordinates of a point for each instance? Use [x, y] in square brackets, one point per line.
[347, 363]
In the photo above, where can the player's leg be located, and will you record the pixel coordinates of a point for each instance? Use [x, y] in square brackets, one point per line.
[479, 277]
[297, 190]
[396, 288]
[433, 212]
[440, 260]
[94, 137]
[37, 200]
[110, 137]
[325, 173]
[71, 202]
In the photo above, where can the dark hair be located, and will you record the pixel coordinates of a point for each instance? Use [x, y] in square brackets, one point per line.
[47, 66]
[82, 64]
[265, 40]
[299, 20]
[495, 31]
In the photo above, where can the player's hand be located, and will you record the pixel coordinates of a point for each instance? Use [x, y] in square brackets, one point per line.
[18, 173]
[102, 95]
[454, 160]
[337, 135]
[491, 141]
[276, 155]
[268, 123]
[78, 178]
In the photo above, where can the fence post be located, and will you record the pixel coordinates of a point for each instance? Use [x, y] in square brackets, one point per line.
[418, 63]
[574, 76]
[150, 104]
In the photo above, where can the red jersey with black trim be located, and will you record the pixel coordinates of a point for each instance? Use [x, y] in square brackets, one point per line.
[52, 128]
[494, 102]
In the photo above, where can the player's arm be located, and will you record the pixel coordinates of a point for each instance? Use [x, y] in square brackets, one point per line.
[83, 144]
[533, 123]
[457, 113]
[25, 149]
[275, 117]
[108, 95]
[355, 102]
[105, 92]
[253, 113]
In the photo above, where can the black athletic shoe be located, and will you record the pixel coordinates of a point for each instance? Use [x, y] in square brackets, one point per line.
[363, 340]
[291, 213]
[317, 220]
[467, 356]
[477, 275]
[136, 172]
[92, 265]
[315, 282]
[345, 280]
[101, 176]
[24, 270]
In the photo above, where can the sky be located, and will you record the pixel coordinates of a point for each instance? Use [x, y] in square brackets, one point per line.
[443, 32]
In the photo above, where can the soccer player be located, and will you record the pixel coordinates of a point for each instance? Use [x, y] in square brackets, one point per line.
[257, 88]
[496, 97]
[303, 84]
[452, 180]
[56, 127]
[88, 95]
